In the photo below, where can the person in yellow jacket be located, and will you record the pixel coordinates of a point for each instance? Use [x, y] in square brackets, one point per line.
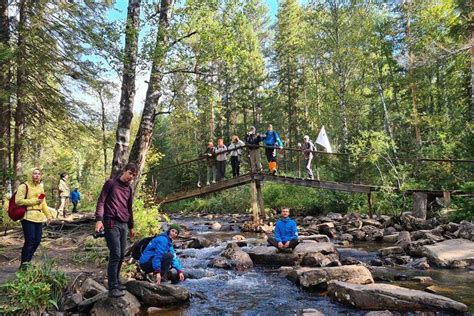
[36, 213]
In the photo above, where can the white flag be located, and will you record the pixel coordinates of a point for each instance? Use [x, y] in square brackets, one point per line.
[323, 140]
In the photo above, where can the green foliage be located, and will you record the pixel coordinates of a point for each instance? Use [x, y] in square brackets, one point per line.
[147, 218]
[35, 290]
[464, 206]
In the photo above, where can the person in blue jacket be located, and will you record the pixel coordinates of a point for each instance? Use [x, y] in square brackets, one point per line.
[271, 140]
[159, 256]
[286, 232]
[75, 196]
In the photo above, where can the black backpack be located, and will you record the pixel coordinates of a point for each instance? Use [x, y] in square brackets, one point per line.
[139, 246]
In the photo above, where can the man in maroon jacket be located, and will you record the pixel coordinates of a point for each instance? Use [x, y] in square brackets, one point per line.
[114, 216]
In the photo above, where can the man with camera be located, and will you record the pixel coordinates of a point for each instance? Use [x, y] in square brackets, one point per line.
[114, 217]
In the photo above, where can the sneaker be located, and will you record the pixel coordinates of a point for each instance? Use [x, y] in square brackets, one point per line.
[213, 181]
[116, 293]
[24, 266]
[207, 183]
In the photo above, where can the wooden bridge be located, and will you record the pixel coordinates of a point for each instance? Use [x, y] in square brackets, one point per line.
[255, 179]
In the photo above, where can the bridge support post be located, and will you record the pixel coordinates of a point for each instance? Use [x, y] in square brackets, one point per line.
[255, 212]
[261, 206]
[370, 201]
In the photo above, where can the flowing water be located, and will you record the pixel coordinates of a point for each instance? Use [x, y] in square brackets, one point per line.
[264, 291]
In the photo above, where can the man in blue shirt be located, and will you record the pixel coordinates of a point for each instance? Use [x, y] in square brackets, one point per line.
[159, 256]
[75, 196]
[286, 232]
[272, 141]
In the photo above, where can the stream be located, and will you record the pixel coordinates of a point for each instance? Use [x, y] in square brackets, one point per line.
[266, 291]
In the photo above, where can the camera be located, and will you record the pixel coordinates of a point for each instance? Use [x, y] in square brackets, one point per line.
[99, 234]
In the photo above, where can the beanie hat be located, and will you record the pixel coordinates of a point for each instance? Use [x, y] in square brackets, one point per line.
[175, 226]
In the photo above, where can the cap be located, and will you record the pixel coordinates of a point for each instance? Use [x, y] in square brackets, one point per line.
[306, 137]
[175, 226]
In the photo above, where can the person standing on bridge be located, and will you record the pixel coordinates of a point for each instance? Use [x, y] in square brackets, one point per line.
[236, 147]
[211, 163]
[253, 140]
[308, 148]
[221, 158]
[114, 217]
[286, 232]
[272, 141]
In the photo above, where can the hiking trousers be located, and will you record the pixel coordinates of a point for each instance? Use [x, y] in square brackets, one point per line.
[116, 238]
[32, 232]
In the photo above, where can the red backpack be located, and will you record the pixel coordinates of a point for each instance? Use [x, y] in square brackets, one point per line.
[16, 212]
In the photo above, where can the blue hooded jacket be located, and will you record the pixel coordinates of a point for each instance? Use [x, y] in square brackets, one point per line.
[285, 230]
[271, 139]
[75, 195]
[156, 249]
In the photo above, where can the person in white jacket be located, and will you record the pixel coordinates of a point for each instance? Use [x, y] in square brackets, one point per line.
[221, 159]
[237, 146]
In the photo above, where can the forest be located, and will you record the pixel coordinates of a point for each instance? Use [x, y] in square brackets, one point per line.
[86, 86]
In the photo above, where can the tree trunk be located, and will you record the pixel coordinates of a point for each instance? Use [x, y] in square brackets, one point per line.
[21, 105]
[472, 76]
[4, 97]
[104, 138]
[142, 142]
[121, 151]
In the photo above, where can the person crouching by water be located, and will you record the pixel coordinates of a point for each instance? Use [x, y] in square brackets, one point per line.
[286, 232]
[31, 195]
[159, 257]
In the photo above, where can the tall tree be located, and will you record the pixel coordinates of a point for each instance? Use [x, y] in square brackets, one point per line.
[143, 140]
[4, 94]
[121, 150]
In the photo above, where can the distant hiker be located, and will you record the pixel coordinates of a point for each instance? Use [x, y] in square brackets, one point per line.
[64, 192]
[253, 140]
[211, 163]
[221, 159]
[272, 141]
[286, 232]
[75, 198]
[236, 146]
[308, 148]
[114, 216]
[159, 257]
[31, 195]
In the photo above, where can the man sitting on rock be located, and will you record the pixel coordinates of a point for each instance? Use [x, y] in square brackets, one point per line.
[286, 232]
[159, 257]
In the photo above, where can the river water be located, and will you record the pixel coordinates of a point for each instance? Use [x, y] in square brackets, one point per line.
[266, 291]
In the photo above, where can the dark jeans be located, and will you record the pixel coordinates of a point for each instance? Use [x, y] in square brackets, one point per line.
[74, 206]
[147, 267]
[33, 233]
[234, 161]
[271, 154]
[293, 243]
[221, 169]
[116, 238]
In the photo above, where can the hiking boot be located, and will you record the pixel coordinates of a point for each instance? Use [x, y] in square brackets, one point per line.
[116, 293]
[122, 287]
[24, 266]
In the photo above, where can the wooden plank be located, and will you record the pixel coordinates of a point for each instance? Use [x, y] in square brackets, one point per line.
[219, 186]
[337, 186]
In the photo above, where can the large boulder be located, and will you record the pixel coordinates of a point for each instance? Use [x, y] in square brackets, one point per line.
[198, 242]
[270, 256]
[239, 260]
[318, 278]
[91, 288]
[466, 230]
[152, 294]
[313, 254]
[454, 253]
[391, 251]
[391, 297]
[122, 306]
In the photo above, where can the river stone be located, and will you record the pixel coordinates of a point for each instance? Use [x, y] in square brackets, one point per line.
[404, 239]
[358, 234]
[318, 278]
[238, 238]
[327, 229]
[415, 249]
[454, 253]
[433, 235]
[198, 242]
[379, 313]
[121, 306]
[216, 226]
[240, 260]
[310, 312]
[466, 230]
[316, 254]
[395, 298]
[91, 288]
[272, 257]
[86, 305]
[318, 238]
[152, 294]
[346, 236]
[72, 302]
[221, 263]
[372, 222]
[391, 251]
[390, 238]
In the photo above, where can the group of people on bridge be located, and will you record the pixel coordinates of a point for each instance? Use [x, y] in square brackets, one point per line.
[216, 156]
